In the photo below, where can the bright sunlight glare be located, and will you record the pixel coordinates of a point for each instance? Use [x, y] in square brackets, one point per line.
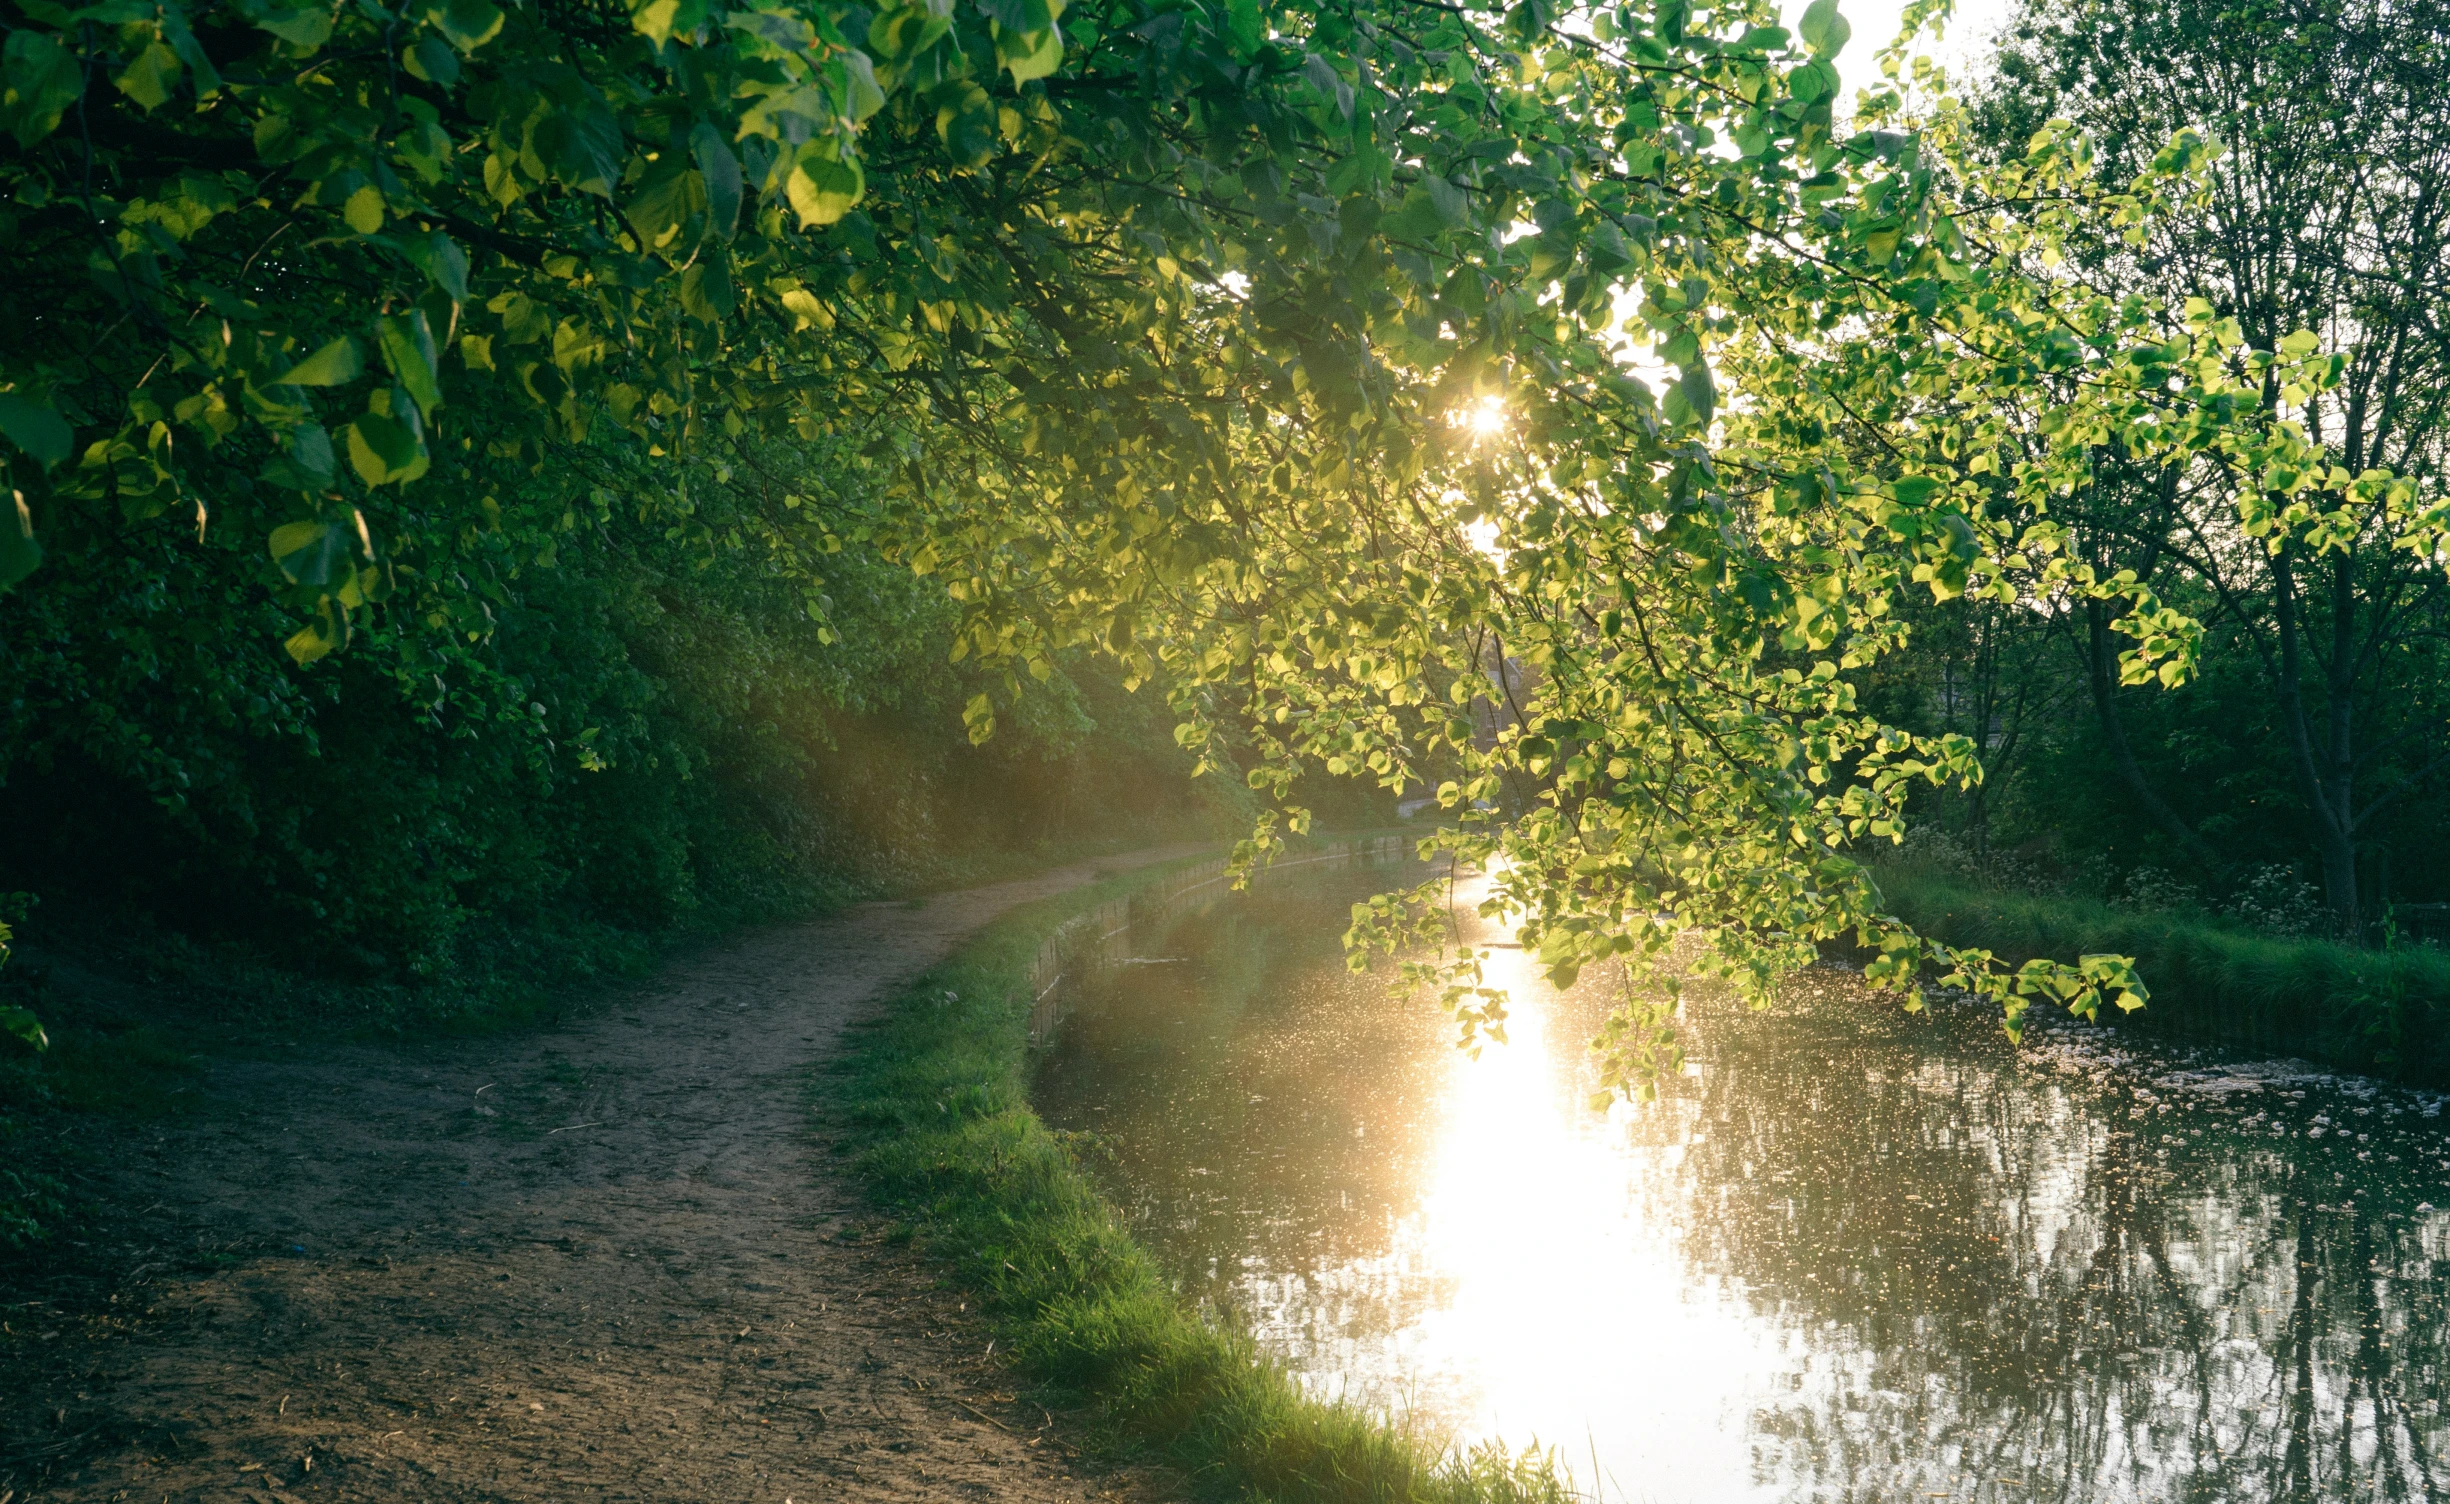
[1567, 1316]
[1485, 418]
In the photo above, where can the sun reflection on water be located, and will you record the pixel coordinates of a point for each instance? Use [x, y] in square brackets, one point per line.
[1857, 1257]
[1568, 1313]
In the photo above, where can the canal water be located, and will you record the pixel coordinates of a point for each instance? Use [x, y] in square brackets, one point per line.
[1851, 1254]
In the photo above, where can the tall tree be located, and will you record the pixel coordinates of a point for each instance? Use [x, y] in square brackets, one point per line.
[2328, 211]
[1153, 323]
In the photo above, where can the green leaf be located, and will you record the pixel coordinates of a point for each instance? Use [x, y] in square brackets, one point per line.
[329, 630]
[660, 20]
[902, 33]
[336, 364]
[1699, 391]
[706, 290]
[1814, 81]
[150, 78]
[383, 450]
[1019, 16]
[22, 1023]
[364, 210]
[1417, 218]
[309, 465]
[19, 553]
[1360, 170]
[408, 348]
[313, 554]
[204, 77]
[662, 203]
[862, 95]
[444, 263]
[469, 24]
[1606, 250]
[36, 429]
[1823, 29]
[581, 145]
[302, 26]
[184, 205]
[39, 80]
[1028, 55]
[1245, 29]
[720, 171]
[806, 311]
[311, 447]
[429, 59]
[1454, 210]
[965, 122]
[822, 188]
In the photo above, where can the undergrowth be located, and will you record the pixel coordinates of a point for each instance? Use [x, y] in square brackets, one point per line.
[2380, 1011]
[933, 1097]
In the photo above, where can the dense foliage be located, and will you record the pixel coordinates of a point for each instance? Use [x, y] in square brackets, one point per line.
[652, 736]
[1280, 352]
[2313, 738]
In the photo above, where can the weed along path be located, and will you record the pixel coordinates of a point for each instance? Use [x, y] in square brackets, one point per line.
[606, 1261]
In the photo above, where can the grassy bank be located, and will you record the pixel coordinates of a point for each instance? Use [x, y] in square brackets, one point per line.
[2377, 1011]
[934, 1099]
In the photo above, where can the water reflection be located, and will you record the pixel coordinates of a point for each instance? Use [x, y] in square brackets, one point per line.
[1851, 1255]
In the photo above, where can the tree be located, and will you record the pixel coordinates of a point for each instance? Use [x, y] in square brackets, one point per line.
[1988, 670]
[1152, 323]
[2328, 212]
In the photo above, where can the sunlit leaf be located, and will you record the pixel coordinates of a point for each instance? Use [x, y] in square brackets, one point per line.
[408, 348]
[150, 78]
[822, 188]
[469, 24]
[336, 364]
[1823, 29]
[314, 554]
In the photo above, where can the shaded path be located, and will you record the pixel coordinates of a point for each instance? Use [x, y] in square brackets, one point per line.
[601, 1262]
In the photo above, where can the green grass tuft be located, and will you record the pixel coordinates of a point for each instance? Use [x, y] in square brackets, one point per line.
[2365, 1010]
[933, 1096]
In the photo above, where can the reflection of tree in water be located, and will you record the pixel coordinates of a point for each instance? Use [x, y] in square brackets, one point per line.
[2049, 1267]
[1273, 1061]
[2005, 1271]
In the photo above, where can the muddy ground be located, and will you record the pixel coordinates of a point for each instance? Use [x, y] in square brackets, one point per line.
[609, 1260]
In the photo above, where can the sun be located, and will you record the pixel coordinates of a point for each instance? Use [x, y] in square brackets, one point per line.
[1485, 418]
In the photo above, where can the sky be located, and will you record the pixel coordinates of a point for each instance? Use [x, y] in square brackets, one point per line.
[1875, 23]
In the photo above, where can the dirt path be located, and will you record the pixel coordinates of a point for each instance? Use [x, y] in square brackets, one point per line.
[604, 1262]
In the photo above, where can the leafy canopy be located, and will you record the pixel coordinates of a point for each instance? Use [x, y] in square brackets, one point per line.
[1150, 321]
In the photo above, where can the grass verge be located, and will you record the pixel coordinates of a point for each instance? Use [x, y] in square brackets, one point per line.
[2366, 1010]
[933, 1096]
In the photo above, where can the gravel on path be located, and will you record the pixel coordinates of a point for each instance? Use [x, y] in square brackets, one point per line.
[606, 1261]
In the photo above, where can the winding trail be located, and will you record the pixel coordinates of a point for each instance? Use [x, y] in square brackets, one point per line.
[604, 1261]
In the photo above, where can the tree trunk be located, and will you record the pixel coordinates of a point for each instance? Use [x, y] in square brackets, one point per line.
[2102, 660]
[2326, 773]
